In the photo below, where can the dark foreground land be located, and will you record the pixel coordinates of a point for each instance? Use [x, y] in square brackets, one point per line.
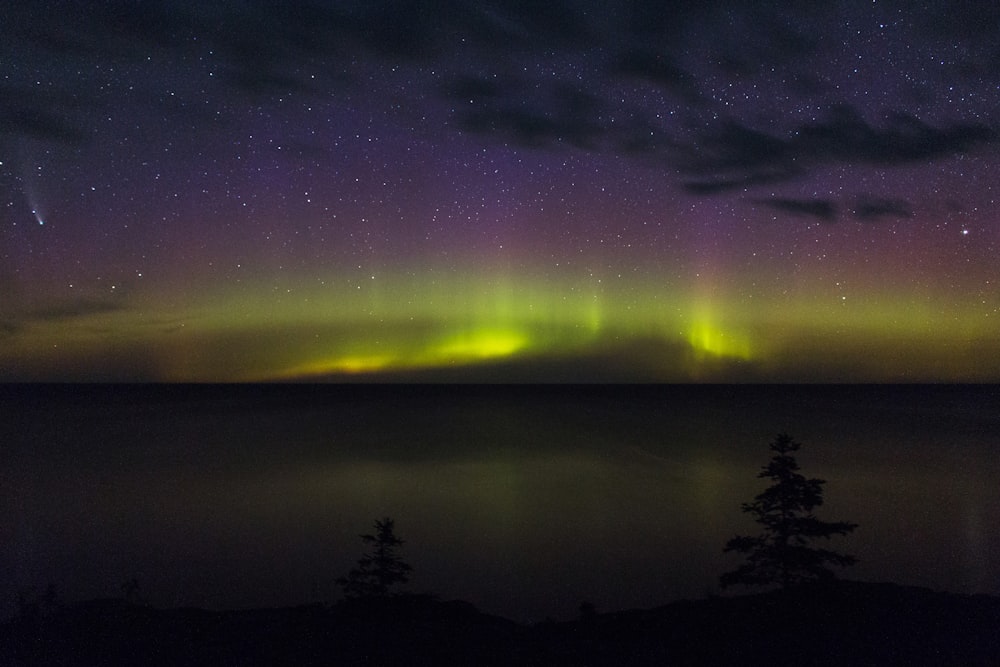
[842, 623]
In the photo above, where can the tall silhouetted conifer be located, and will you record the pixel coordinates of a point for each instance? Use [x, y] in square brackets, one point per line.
[782, 554]
[379, 570]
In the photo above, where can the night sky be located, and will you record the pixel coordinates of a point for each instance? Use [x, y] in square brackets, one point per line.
[582, 191]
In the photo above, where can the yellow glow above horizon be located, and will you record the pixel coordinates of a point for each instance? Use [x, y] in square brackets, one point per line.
[464, 348]
[481, 344]
[706, 338]
[424, 322]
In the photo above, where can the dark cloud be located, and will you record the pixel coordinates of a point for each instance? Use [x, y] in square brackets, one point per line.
[264, 46]
[533, 128]
[49, 116]
[559, 22]
[39, 124]
[278, 47]
[282, 47]
[269, 46]
[564, 115]
[823, 209]
[398, 30]
[472, 89]
[16, 315]
[417, 29]
[527, 113]
[79, 308]
[716, 186]
[846, 137]
[636, 134]
[865, 207]
[660, 69]
[554, 116]
[661, 22]
[951, 21]
[266, 81]
[86, 30]
[734, 149]
[734, 154]
[871, 209]
[130, 24]
[267, 49]
[750, 37]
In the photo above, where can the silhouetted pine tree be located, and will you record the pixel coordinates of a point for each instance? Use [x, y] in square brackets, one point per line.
[782, 554]
[379, 570]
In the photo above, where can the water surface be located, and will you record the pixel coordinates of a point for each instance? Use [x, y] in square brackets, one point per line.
[525, 500]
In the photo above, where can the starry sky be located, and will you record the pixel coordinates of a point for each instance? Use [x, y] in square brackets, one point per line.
[499, 190]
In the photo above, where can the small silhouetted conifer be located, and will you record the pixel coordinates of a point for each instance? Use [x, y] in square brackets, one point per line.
[132, 592]
[381, 569]
[782, 554]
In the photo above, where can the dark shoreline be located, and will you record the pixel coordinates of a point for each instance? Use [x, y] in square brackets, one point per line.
[837, 623]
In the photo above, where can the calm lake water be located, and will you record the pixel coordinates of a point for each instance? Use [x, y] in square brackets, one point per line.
[525, 500]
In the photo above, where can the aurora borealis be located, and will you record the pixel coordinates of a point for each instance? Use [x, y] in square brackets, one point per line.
[347, 249]
[499, 190]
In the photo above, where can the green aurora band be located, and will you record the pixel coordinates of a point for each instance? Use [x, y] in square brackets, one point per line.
[469, 326]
